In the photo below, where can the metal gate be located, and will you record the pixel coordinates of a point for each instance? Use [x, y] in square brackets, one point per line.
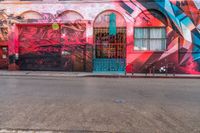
[42, 48]
[45, 61]
[73, 58]
[110, 51]
[39, 47]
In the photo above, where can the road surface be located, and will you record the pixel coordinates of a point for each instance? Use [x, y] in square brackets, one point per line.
[100, 104]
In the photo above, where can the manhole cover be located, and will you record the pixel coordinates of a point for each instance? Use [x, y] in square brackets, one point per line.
[119, 101]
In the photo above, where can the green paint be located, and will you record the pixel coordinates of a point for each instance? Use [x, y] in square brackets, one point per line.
[112, 25]
[55, 26]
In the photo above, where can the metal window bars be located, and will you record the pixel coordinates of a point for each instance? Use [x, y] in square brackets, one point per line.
[110, 46]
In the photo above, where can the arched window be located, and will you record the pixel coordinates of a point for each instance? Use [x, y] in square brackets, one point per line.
[110, 35]
[150, 31]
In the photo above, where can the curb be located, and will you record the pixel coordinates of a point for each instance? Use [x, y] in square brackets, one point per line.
[106, 76]
[155, 77]
[34, 75]
[97, 75]
[39, 75]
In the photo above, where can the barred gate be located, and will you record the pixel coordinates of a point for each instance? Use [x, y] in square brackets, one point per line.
[110, 51]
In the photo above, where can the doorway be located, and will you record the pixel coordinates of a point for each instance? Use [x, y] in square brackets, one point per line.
[110, 43]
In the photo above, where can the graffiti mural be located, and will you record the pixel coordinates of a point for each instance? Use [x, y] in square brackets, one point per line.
[3, 40]
[160, 36]
[3, 34]
[49, 47]
[76, 52]
[73, 33]
[182, 44]
[39, 47]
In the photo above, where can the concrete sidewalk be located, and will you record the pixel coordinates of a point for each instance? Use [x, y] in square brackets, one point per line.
[46, 131]
[92, 74]
[44, 73]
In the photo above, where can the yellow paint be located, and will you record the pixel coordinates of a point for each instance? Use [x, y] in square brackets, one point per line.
[55, 26]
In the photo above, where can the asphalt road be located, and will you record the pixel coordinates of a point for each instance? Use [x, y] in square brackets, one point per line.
[100, 104]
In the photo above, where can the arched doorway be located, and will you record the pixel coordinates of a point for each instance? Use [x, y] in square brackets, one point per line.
[110, 42]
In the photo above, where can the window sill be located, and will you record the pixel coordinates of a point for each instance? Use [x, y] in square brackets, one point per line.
[148, 51]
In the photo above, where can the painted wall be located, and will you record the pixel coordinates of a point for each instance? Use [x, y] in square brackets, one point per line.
[182, 17]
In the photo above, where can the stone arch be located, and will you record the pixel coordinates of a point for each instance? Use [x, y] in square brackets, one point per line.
[70, 16]
[31, 15]
[102, 19]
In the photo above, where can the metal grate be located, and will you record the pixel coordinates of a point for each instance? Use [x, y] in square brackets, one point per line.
[107, 46]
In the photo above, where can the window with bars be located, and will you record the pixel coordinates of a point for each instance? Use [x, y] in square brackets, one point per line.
[153, 39]
[107, 46]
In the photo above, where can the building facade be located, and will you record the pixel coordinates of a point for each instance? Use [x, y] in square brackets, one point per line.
[133, 36]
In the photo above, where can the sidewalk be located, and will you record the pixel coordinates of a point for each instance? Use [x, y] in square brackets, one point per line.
[46, 131]
[44, 73]
[90, 74]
